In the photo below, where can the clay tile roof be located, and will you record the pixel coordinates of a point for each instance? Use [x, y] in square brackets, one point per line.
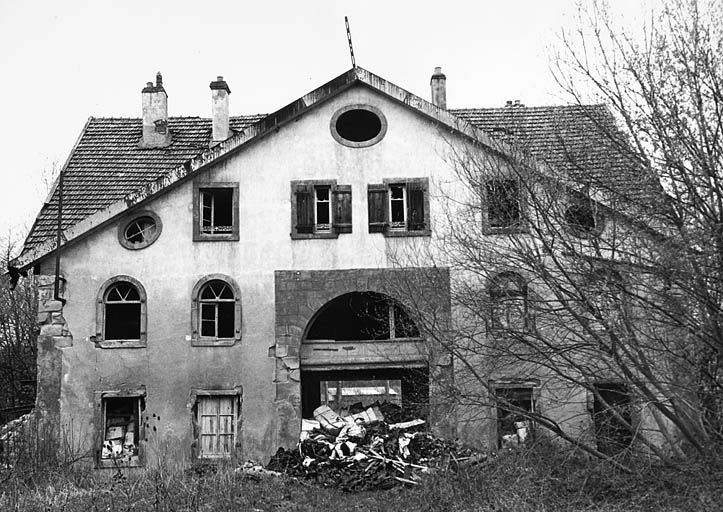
[579, 141]
[107, 164]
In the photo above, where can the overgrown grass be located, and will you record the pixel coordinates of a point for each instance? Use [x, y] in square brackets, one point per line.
[537, 479]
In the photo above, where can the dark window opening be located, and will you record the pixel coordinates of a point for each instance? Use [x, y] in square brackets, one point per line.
[217, 210]
[513, 425]
[122, 312]
[217, 310]
[612, 433]
[397, 205]
[121, 427]
[581, 216]
[362, 316]
[358, 125]
[503, 203]
[404, 391]
[323, 209]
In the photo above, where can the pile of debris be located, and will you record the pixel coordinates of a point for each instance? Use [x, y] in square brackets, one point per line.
[362, 451]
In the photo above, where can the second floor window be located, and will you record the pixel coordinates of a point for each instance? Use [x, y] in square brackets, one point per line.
[320, 209]
[215, 211]
[503, 204]
[399, 207]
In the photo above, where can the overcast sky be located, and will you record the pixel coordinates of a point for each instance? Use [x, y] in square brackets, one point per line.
[63, 61]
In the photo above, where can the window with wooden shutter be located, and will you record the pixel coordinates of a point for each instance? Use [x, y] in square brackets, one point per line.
[304, 209]
[341, 205]
[400, 207]
[415, 206]
[217, 426]
[320, 209]
[377, 200]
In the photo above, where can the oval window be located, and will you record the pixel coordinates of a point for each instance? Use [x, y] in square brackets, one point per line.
[358, 126]
[141, 231]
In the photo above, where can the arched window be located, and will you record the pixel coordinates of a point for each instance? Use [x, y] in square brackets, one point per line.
[121, 313]
[362, 316]
[509, 303]
[216, 313]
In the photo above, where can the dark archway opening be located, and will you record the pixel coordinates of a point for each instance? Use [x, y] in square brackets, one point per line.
[362, 316]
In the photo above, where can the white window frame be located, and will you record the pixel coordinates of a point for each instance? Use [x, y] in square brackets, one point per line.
[322, 227]
[399, 225]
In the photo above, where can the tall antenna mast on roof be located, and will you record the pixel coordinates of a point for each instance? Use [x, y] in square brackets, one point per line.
[348, 36]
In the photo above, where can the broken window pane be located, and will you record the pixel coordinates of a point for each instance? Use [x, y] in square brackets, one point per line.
[323, 209]
[140, 230]
[397, 205]
[120, 427]
[503, 203]
[513, 426]
[217, 210]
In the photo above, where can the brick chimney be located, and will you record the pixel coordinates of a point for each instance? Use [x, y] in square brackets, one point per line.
[439, 88]
[219, 109]
[155, 115]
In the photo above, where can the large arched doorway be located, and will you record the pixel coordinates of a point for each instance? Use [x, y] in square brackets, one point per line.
[362, 349]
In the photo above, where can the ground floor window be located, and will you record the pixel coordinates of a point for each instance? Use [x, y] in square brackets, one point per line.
[122, 429]
[404, 391]
[513, 424]
[612, 418]
[216, 417]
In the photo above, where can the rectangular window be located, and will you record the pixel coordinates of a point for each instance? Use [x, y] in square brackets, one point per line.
[513, 427]
[122, 429]
[399, 207]
[320, 209]
[503, 204]
[216, 420]
[215, 211]
[612, 418]
[323, 209]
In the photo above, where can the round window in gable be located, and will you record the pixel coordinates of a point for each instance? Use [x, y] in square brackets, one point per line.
[140, 231]
[358, 126]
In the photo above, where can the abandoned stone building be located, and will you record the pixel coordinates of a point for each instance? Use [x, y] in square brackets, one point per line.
[223, 277]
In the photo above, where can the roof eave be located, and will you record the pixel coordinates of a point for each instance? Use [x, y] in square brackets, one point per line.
[265, 126]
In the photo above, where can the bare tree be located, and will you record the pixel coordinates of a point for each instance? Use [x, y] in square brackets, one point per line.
[604, 273]
[18, 331]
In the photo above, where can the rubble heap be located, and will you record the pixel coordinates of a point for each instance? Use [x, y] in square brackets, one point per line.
[364, 452]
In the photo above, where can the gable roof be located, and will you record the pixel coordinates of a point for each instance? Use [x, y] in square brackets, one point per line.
[107, 172]
[581, 142]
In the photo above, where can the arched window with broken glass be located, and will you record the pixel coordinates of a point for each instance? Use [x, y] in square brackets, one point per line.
[216, 311]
